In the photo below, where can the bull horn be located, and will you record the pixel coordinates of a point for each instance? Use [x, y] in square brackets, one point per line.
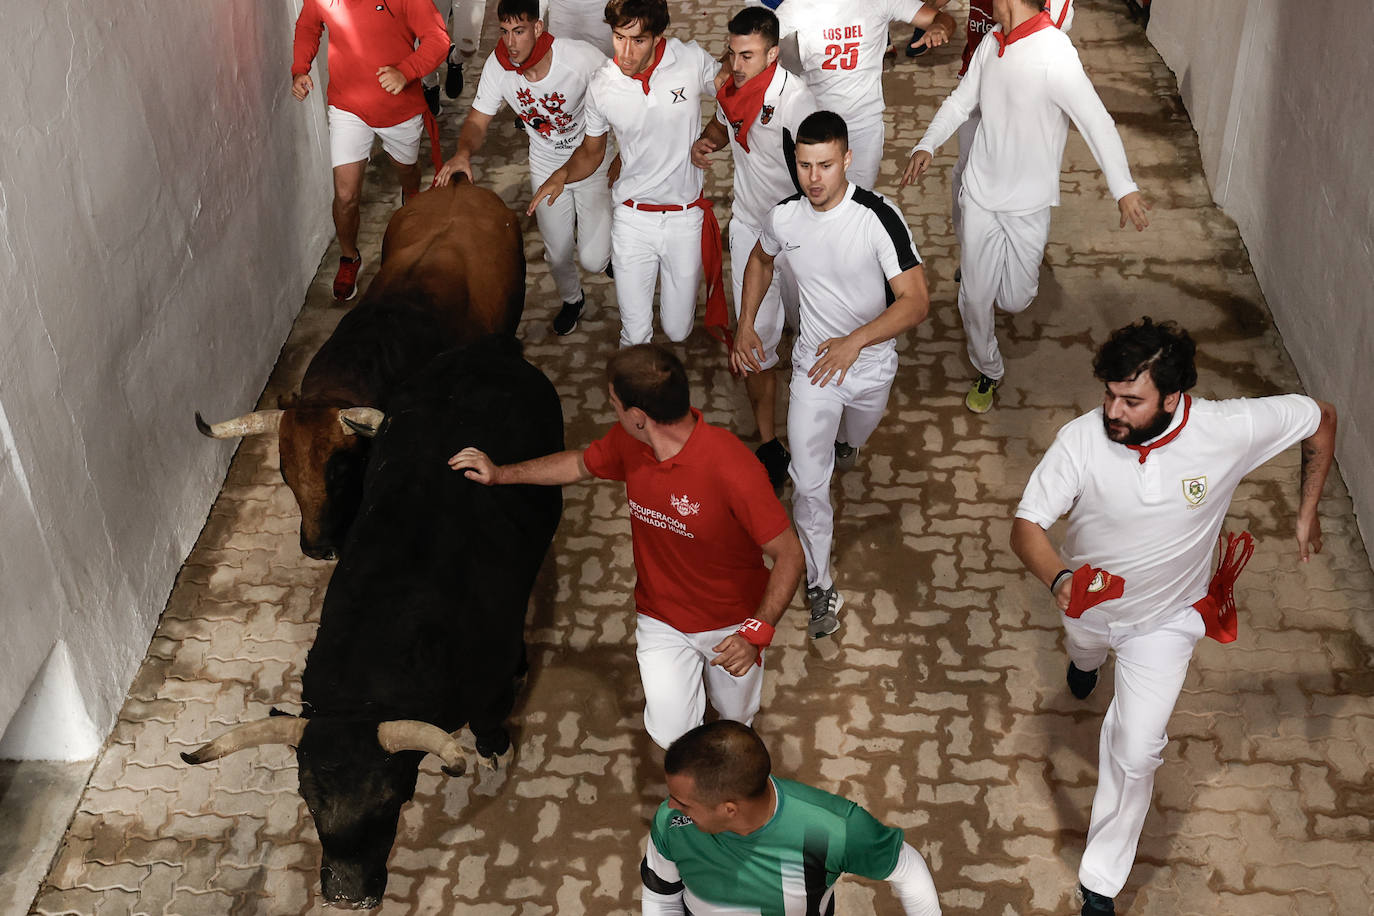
[413, 735]
[274, 730]
[361, 420]
[250, 424]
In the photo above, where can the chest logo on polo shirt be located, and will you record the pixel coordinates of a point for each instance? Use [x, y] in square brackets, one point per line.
[683, 505]
[680, 94]
[766, 115]
[1195, 490]
[679, 820]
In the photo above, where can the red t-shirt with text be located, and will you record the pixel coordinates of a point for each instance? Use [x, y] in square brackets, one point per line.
[697, 521]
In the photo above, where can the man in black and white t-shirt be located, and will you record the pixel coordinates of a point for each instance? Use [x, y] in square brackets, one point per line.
[545, 82]
[843, 244]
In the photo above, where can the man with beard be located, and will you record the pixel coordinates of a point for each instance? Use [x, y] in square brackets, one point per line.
[544, 80]
[1146, 481]
[760, 109]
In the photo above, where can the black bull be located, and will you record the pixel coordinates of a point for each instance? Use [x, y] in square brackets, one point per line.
[423, 623]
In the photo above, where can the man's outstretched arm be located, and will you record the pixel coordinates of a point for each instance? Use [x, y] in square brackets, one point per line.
[1318, 450]
[550, 470]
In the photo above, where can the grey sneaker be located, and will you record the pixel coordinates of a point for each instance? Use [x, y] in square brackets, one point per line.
[825, 604]
[846, 456]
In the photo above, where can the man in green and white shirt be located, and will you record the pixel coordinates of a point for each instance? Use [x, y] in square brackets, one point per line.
[733, 839]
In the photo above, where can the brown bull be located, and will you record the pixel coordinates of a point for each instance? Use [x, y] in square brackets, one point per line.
[453, 270]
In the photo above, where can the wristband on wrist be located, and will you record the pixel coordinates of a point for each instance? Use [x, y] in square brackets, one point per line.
[756, 632]
[1054, 586]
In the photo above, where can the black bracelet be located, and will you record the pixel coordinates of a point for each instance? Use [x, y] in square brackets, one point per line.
[1054, 586]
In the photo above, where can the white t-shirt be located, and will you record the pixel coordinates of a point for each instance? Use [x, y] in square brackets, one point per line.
[1155, 524]
[763, 175]
[840, 259]
[1027, 97]
[841, 44]
[551, 109]
[655, 132]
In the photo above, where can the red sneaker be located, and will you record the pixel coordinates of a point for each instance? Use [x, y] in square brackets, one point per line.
[346, 280]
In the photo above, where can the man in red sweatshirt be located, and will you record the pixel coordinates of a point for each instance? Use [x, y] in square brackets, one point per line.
[378, 50]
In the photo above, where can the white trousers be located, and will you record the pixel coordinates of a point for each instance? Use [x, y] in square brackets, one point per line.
[1150, 668]
[965, 133]
[769, 320]
[581, 212]
[648, 246]
[999, 257]
[866, 142]
[816, 419]
[676, 671]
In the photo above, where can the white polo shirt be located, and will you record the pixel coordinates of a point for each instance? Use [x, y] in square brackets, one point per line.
[1155, 524]
[841, 45]
[1027, 97]
[551, 109]
[841, 259]
[655, 132]
[763, 175]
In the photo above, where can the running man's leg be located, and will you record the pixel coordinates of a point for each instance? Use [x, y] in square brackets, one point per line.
[1026, 239]
[983, 254]
[866, 142]
[1150, 669]
[557, 225]
[592, 198]
[670, 667]
[868, 386]
[813, 422]
[761, 386]
[402, 143]
[634, 251]
[680, 272]
[733, 697]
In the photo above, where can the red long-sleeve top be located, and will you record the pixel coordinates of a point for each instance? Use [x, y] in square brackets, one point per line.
[365, 35]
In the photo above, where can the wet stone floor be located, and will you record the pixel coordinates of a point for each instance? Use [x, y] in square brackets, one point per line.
[940, 704]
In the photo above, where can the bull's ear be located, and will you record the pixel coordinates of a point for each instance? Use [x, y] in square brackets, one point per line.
[362, 421]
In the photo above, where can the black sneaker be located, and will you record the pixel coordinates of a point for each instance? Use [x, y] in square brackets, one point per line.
[825, 604]
[432, 100]
[566, 321]
[1081, 683]
[774, 459]
[1095, 904]
[453, 76]
[915, 37]
[846, 456]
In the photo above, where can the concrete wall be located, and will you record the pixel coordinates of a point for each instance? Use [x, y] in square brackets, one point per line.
[163, 206]
[1280, 94]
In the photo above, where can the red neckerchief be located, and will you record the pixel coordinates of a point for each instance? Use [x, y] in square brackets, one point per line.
[742, 105]
[1164, 440]
[1063, 14]
[1029, 27]
[541, 47]
[658, 56]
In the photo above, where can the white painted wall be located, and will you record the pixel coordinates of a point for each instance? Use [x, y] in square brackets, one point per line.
[1280, 94]
[163, 207]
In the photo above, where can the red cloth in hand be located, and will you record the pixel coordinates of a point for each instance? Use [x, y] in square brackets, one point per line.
[1091, 587]
[1218, 608]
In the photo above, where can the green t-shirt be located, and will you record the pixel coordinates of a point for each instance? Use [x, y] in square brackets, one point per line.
[793, 860]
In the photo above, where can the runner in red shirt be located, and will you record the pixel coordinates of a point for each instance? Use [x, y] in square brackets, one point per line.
[375, 67]
[702, 517]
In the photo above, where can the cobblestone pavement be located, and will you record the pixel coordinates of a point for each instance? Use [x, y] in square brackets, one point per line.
[940, 704]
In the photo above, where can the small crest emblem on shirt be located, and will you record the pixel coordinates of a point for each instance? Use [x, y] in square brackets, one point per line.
[1195, 490]
[766, 114]
[680, 95]
[683, 505]
[1099, 582]
[679, 820]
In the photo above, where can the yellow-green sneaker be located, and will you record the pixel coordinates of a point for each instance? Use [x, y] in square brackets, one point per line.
[979, 399]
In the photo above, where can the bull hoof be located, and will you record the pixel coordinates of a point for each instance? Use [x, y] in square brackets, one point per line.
[498, 762]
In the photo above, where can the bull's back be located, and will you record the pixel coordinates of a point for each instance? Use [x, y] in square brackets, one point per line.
[425, 612]
[463, 245]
